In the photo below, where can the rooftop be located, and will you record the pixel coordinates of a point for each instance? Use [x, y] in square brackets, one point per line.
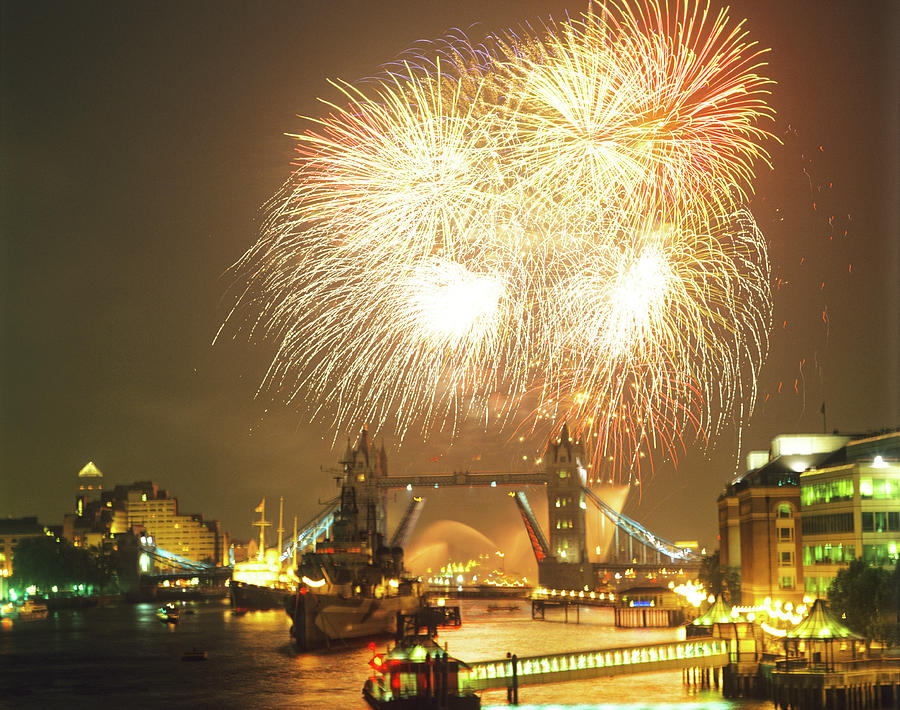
[90, 471]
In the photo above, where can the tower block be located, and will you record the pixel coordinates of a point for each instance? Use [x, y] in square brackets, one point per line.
[90, 485]
[568, 566]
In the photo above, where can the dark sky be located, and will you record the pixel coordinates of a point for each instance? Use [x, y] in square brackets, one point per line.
[140, 139]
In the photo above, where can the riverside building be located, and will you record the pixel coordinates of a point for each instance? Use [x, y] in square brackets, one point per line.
[806, 508]
[141, 508]
[851, 509]
[154, 512]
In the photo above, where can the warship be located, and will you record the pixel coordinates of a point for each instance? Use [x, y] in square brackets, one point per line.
[353, 584]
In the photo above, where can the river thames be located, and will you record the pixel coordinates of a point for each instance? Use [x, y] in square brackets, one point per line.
[122, 656]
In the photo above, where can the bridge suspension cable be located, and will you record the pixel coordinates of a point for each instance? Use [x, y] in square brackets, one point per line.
[639, 532]
[172, 560]
[319, 525]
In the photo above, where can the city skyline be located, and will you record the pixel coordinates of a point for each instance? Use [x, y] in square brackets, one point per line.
[141, 146]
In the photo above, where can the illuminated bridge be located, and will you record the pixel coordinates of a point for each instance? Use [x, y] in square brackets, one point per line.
[181, 567]
[562, 555]
[582, 665]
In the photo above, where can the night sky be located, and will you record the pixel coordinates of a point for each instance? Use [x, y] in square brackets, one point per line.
[140, 140]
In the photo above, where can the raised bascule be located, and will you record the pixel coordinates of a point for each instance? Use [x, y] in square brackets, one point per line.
[562, 556]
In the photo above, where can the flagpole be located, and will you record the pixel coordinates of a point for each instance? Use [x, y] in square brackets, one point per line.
[261, 524]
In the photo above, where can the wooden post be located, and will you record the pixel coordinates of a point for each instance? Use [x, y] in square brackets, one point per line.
[515, 679]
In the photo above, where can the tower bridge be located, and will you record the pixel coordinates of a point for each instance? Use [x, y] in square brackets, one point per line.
[562, 556]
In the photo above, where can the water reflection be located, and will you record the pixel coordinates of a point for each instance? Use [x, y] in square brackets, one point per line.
[124, 655]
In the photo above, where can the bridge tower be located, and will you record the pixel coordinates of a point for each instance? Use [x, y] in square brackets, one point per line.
[567, 566]
[363, 503]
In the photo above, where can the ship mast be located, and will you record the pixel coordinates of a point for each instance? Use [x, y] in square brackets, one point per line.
[295, 542]
[261, 524]
[280, 524]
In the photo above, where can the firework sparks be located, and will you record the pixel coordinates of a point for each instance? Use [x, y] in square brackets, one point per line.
[559, 216]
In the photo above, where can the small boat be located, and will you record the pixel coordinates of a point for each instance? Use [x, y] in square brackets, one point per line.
[31, 609]
[258, 596]
[195, 654]
[168, 614]
[417, 673]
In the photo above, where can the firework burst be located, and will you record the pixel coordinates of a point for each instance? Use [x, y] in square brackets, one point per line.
[559, 215]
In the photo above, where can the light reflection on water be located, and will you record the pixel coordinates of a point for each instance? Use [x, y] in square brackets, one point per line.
[125, 656]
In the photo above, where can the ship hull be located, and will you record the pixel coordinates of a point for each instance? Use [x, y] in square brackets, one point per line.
[252, 596]
[321, 619]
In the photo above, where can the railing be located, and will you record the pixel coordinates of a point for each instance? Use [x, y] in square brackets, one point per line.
[805, 665]
[553, 668]
[639, 533]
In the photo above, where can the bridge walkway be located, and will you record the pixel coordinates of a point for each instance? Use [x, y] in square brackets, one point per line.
[582, 665]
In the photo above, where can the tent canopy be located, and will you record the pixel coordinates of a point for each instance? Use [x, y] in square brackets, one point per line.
[718, 613]
[821, 624]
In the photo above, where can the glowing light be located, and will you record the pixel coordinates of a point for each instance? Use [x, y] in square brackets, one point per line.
[314, 583]
[691, 591]
[550, 228]
[772, 630]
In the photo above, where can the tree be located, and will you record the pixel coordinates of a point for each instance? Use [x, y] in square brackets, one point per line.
[46, 562]
[41, 561]
[865, 598]
[717, 579]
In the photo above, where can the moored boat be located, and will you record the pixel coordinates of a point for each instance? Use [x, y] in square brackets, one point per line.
[263, 582]
[31, 609]
[352, 585]
[246, 596]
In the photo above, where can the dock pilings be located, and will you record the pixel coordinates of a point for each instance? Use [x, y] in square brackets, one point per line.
[868, 686]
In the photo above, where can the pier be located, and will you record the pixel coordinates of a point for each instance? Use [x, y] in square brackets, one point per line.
[856, 685]
[705, 662]
[582, 665]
